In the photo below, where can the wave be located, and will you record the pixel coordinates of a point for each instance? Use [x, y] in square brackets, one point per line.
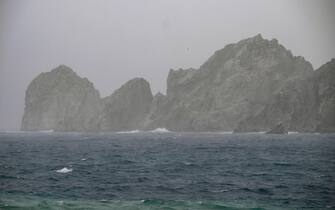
[226, 132]
[7, 177]
[160, 130]
[252, 132]
[186, 163]
[12, 131]
[157, 130]
[282, 164]
[26, 132]
[292, 132]
[133, 131]
[259, 132]
[64, 170]
[27, 202]
[46, 131]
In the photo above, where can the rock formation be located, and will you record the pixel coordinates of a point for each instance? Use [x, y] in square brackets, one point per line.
[61, 100]
[128, 107]
[325, 83]
[246, 87]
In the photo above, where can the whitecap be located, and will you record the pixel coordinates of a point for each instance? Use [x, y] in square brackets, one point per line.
[83, 159]
[292, 132]
[9, 131]
[187, 163]
[256, 132]
[60, 202]
[133, 131]
[160, 130]
[261, 132]
[65, 170]
[226, 132]
[46, 131]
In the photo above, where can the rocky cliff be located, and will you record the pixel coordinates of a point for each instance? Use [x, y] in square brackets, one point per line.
[252, 85]
[128, 107]
[325, 84]
[248, 86]
[61, 100]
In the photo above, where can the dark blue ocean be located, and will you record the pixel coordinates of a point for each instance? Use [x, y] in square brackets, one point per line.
[147, 170]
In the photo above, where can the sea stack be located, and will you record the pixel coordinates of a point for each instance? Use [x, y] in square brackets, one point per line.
[60, 100]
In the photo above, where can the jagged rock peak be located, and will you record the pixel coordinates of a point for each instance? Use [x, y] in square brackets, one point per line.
[249, 51]
[257, 38]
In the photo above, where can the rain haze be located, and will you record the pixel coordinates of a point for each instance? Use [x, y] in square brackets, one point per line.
[110, 42]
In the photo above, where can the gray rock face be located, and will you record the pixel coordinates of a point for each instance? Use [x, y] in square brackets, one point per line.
[254, 80]
[325, 83]
[62, 101]
[294, 104]
[128, 107]
[249, 86]
[278, 129]
[158, 112]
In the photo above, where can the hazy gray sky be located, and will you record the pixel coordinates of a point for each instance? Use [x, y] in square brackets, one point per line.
[110, 42]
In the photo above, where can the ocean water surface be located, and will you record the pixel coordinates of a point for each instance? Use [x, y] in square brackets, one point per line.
[166, 170]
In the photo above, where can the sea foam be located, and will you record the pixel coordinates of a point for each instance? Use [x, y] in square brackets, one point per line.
[46, 131]
[226, 132]
[160, 130]
[65, 170]
[292, 132]
[133, 131]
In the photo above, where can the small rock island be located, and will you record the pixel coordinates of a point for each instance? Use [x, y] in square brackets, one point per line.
[253, 85]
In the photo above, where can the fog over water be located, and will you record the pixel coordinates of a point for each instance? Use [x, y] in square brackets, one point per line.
[110, 42]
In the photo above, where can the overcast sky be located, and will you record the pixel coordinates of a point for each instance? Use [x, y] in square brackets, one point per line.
[110, 42]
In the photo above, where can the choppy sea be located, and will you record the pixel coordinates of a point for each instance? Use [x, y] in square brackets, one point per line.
[166, 170]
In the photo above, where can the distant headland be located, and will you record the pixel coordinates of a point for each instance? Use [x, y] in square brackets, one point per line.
[253, 85]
